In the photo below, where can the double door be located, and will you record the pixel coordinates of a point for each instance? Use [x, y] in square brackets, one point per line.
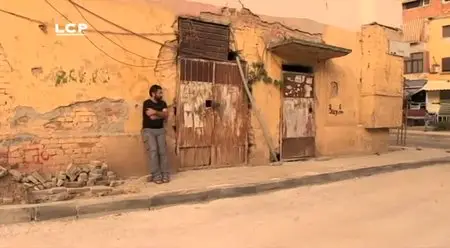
[212, 114]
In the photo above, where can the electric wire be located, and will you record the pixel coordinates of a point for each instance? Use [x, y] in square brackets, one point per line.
[112, 41]
[93, 44]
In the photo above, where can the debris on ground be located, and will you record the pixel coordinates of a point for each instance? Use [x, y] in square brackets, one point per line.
[3, 172]
[93, 179]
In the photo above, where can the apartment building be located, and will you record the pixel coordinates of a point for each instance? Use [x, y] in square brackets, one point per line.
[426, 26]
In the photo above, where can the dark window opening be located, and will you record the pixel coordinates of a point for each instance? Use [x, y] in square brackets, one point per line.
[232, 55]
[446, 64]
[414, 64]
[416, 4]
[446, 31]
[205, 40]
[297, 68]
[419, 97]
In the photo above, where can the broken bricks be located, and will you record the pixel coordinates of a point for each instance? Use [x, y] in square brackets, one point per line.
[3, 172]
[72, 172]
[74, 180]
[17, 176]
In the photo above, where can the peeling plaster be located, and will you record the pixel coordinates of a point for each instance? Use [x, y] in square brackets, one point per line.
[102, 115]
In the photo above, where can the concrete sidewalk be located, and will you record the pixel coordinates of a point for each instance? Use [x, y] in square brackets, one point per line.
[206, 185]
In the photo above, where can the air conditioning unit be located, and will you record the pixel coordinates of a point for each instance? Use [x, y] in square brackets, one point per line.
[435, 68]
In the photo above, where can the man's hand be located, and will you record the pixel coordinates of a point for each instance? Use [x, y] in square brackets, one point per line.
[149, 112]
[155, 115]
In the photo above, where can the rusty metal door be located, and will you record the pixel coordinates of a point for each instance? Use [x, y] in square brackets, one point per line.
[195, 120]
[298, 125]
[212, 116]
[231, 115]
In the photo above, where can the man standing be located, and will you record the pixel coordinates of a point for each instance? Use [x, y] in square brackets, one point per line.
[154, 114]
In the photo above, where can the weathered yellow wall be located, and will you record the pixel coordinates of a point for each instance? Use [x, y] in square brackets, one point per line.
[370, 92]
[438, 46]
[94, 110]
[68, 101]
[382, 79]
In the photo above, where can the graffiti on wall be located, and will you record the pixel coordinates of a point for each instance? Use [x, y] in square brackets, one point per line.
[29, 151]
[335, 111]
[102, 115]
[81, 76]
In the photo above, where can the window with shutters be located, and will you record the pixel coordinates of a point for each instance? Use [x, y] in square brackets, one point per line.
[414, 64]
[446, 64]
[446, 31]
[415, 4]
[204, 40]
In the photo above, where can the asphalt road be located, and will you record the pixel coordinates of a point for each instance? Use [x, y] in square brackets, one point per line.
[405, 209]
[425, 141]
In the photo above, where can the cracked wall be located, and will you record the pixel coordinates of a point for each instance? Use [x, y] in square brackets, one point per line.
[71, 101]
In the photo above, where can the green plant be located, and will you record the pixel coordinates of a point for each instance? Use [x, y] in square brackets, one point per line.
[258, 72]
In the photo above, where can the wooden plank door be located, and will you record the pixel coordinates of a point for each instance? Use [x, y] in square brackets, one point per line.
[298, 125]
[230, 116]
[195, 121]
[212, 121]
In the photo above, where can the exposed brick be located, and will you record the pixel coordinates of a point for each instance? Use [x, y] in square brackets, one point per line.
[80, 160]
[73, 151]
[434, 9]
[54, 146]
[16, 154]
[69, 146]
[86, 150]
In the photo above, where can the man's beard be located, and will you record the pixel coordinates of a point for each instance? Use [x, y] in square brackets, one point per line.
[159, 98]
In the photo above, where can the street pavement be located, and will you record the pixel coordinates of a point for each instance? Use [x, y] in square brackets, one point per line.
[406, 209]
[424, 140]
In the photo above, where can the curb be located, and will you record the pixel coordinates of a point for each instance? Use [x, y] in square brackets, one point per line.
[425, 134]
[76, 209]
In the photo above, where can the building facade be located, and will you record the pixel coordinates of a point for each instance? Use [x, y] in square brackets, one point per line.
[427, 28]
[323, 84]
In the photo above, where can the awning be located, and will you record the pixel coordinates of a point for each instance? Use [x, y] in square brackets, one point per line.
[409, 1]
[433, 85]
[301, 50]
[414, 30]
[411, 92]
[410, 84]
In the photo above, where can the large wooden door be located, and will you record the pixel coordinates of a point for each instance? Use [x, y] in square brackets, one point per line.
[212, 121]
[194, 120]
[298, 125]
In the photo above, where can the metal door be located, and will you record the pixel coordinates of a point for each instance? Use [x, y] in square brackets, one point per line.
[230, 116]
[298, 125]
[194, 120]
[212, 121]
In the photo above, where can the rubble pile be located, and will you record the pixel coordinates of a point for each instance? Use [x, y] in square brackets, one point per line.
[93, 178]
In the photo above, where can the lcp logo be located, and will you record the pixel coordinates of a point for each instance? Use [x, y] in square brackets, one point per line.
[71, 29]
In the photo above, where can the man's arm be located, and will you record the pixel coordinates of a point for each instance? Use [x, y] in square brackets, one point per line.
[164, 114]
